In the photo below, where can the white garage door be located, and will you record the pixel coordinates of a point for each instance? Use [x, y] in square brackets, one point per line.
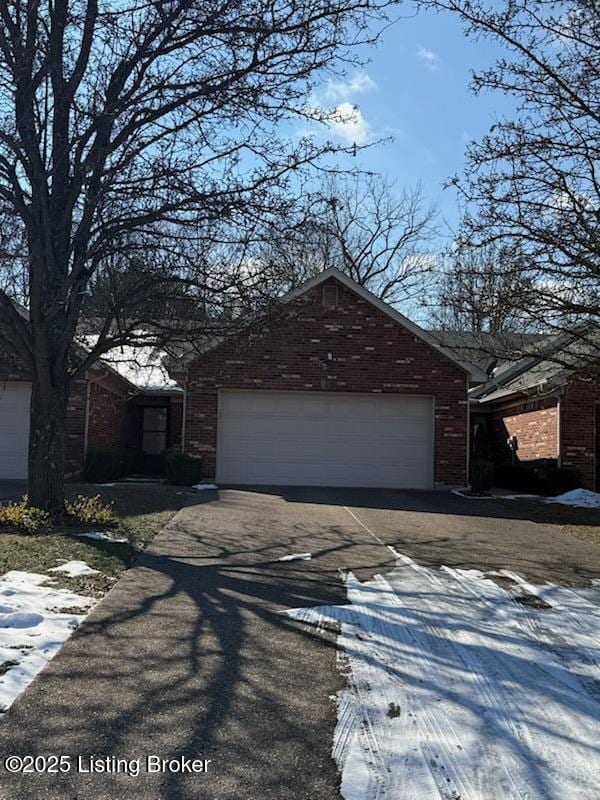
[324, 439]
[14, 429]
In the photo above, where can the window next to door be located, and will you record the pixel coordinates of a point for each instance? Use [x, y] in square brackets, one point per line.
[154, 432]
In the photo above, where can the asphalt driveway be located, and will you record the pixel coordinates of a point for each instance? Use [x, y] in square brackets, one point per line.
[190, 656]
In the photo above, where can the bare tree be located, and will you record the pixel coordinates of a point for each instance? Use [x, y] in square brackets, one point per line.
[479, 291]
[135, 126]
[383, 239]
[533, 181]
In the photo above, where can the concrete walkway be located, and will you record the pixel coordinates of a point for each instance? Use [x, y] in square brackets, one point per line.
[190, 656]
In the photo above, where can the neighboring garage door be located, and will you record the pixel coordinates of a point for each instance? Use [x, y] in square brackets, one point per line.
[15, 399]
[325, 439]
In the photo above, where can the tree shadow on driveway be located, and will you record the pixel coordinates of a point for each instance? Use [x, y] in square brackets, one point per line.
[190, 655]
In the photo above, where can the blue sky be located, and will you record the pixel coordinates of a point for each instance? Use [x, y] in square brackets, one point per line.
[416, 89]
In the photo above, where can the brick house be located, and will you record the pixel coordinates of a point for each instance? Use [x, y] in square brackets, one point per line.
[536, 407]
[333, 387]
[106, 409]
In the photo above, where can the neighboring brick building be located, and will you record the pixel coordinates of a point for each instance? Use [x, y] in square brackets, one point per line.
[334, 387]
[548, 412]
[105, 410]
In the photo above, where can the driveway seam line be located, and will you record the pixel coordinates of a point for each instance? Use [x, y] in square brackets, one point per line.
[368, 530]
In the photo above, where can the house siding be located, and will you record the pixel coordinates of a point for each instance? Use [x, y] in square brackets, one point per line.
[370, 353]
[578, 429]
[535, 425]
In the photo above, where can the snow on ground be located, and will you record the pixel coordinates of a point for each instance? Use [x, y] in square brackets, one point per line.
[577, 497]
[459, 688]
[74, 569]
[465, 493]
[103, 536]
[35, 621]
[296, 557]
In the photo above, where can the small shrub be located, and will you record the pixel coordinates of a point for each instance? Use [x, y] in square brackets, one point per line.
[516, 476]
[183, 470]
[561, 479]
[482, 475]
[23, 517]
[90, 511]
[108, 465]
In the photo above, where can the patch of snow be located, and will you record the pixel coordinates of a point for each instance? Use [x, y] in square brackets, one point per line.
[517, 496]
[296, 557]
[35, 622]
[102, 536]
[27, 578]
[464, 493]
[578, 497]
[75, 569]
[203, 486]
[456, 690]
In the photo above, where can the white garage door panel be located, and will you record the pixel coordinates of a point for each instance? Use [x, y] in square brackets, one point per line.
[303, 438]
[15, 399]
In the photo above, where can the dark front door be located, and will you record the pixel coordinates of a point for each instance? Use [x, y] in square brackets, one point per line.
[154, 436]
[597, 426]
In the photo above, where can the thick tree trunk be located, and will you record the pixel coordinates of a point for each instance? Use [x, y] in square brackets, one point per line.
[46, 484]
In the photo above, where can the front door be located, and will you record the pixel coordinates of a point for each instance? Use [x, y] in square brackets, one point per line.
[154, 436]
[597, 427]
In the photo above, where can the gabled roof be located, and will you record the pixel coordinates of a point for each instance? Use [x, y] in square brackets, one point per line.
[553, 362]
[178, 366]
[472, 369]
[489, 351]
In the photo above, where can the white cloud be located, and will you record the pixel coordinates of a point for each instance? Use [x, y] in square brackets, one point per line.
[333, 106]
[431, 60]
[349, 124]
[344, 90]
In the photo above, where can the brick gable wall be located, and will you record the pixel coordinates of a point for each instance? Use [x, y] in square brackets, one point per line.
[370, 353]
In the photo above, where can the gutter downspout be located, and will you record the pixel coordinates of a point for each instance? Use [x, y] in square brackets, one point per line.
[88, 394]
[558, 433]
[185, 385]
[468, 465]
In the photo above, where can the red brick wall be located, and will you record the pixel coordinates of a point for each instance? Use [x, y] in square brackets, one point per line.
[75, 427]
[107, 416]
[577, 423]
[371, 353]
[533, 422]
[12, 367]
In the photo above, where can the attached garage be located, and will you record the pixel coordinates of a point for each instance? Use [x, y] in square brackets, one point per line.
[323, 439]
[15, 400]
[331, 388]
